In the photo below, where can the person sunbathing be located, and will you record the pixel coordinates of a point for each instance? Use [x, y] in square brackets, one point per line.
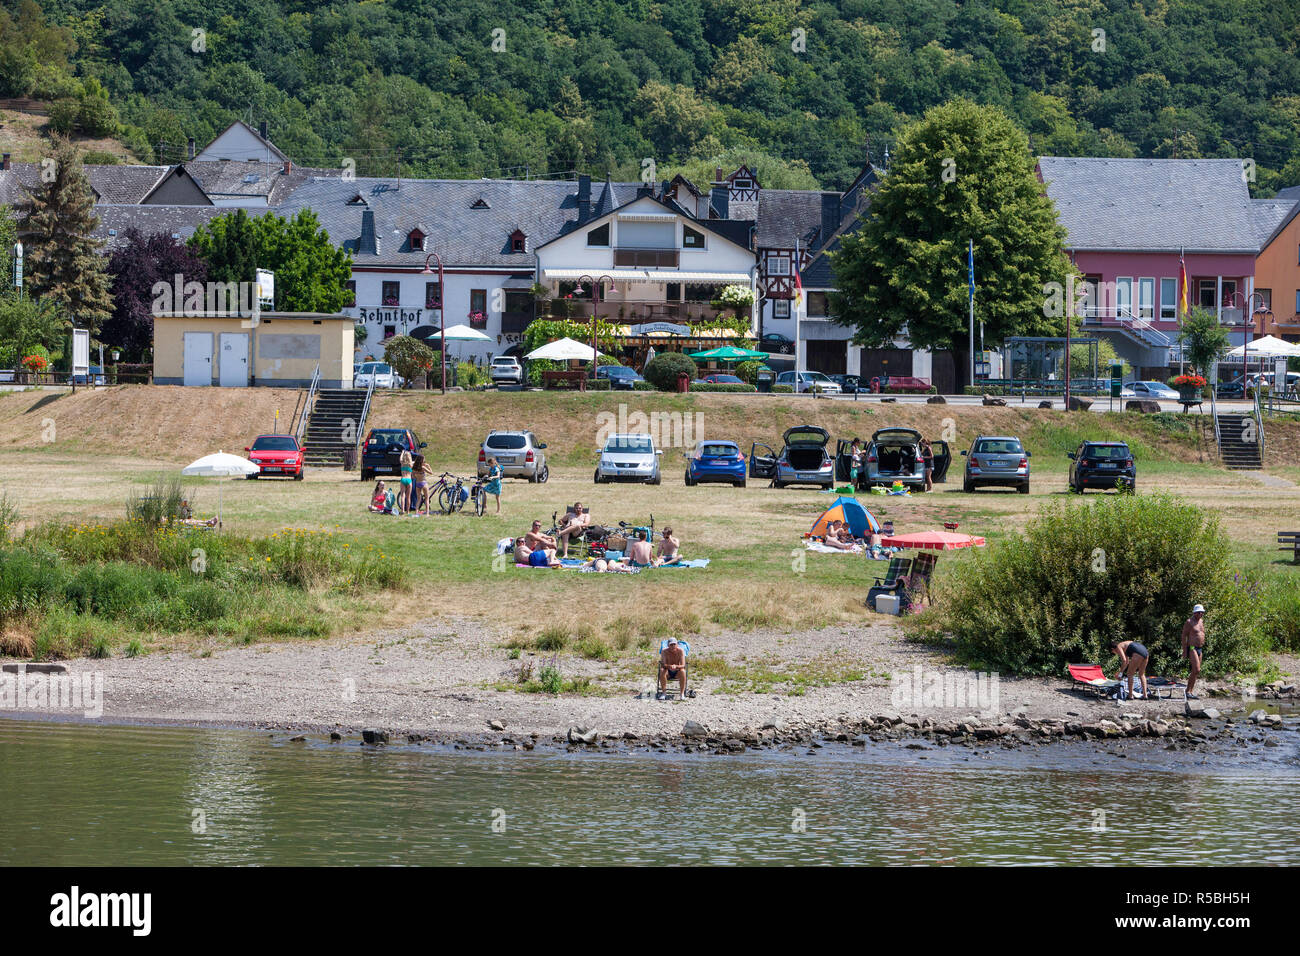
[522, 551]
[378, 499]
[834, 539]
[573, 524]
[639, 553]
[668, 549]
[603, 565]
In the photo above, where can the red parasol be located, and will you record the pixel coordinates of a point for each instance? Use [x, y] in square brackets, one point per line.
[933, 541]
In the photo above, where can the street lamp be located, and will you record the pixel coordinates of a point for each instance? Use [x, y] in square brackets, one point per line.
[442, 315]
[595, 303]
[1247, 327]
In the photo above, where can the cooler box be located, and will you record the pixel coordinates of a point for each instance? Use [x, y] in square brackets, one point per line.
[887, 603]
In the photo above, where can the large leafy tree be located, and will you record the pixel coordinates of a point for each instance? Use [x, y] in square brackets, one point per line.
[310, 271]
[1203, 339]
[135, 268]
[962, 173]
[62, 258]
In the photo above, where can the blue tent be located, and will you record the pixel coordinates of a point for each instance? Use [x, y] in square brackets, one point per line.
[851, 512]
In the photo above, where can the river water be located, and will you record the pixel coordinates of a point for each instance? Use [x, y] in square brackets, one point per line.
[88, 794]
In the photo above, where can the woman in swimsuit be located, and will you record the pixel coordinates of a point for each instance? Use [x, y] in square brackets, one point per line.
[420, 472]
[406, 463]
[1133, 660]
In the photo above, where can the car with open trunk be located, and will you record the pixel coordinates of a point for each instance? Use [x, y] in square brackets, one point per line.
[803, 459]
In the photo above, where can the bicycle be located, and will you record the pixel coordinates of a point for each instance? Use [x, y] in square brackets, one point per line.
[478, 495]
[452, 497]
[435, 491]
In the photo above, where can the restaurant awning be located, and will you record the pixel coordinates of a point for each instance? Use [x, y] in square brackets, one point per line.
[648, 275]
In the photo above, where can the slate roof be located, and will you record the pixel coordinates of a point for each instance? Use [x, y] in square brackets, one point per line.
[1140, 205]
[785, 215]
[231, 178]
[1269, 215]
[152, 219]
[1291, 192]
[112, 184]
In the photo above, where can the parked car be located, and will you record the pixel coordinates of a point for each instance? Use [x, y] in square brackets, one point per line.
[519, 454]
[720, 378]
[851, 384]
[777, 343]
[620, 376]
[1098, 464]
[716, 461]
[996, 460]
[803, 459]
[894, 454]
[96, 376]
[278, 455]
[629, 458]
[506, 370]
[942, 458]
[808, 381]
[1154, 390]
[381, 373]
[382, 452]
[1233, 389]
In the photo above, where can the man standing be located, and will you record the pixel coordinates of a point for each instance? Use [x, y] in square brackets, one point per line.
[1194, 646]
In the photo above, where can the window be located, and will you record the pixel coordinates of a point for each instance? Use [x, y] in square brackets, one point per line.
[1265, 300]
[673, 292]
[692, 239]
[1146, 298]
[817, 304]
[478, 309]
[701, 291]
[1124, 297]
[432, 295]
[352, 292]
[743, 183]
[1205, 293]
[1092, 304]
[780, 308]
[1168, 298]
[1297, 301]
[517, 242]
[1229, 292]
[417, 240]
[778, 265]
[392, 294]
[390, 331]
[598, 236]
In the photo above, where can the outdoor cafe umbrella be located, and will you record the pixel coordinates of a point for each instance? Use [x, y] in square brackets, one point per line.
[564, 350]
[1266, 347]
[220, 465]
[932, 541]
[461, 333]
[728, 353]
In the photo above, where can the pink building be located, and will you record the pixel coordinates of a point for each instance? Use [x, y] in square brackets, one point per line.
[1131, 223]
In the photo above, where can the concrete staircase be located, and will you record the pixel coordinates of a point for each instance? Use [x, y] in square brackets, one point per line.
[1241, 441]
[334, 424]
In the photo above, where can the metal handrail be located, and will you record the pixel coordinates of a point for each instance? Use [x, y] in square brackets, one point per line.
[307, 405]
[1214, 414]
[365, 413]
[1259, 425]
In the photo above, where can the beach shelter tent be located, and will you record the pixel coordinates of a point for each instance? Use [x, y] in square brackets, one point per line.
[851, 512]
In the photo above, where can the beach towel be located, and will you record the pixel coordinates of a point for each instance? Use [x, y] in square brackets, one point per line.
[693, 563]
[820, 548]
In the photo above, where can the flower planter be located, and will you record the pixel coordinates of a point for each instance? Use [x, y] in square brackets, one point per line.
[1188, 394]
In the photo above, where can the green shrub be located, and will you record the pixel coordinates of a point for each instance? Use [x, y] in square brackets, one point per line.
[663, 370]
[1281, 608]
[748, 371]
[161, 504]
[550, 680]
[786, 389]
[643, 387]
[1084, 575]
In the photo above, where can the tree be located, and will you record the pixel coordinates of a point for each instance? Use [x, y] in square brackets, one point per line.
[61, 255]
[962, 173]
[8, 237]
[25, 324]
[664, 368]
[311, 273]
[1203, 339]
[410, 357]
[134, 269]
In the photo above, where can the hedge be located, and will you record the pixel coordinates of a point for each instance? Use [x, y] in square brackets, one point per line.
[722, 387]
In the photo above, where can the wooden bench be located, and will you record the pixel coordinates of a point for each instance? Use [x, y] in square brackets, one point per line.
[565, 379]
[1290, 541]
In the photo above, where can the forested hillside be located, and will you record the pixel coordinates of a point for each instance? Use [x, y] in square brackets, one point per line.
[497, 87]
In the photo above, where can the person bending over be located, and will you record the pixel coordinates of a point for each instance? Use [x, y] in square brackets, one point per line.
[1133, 660]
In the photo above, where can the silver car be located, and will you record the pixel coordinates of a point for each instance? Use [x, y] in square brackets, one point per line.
[999, 460]
[893, 455]
[803, 459]
[519, 454]
[629, 458]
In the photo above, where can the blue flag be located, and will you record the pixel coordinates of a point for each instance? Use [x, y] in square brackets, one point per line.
[970, 263]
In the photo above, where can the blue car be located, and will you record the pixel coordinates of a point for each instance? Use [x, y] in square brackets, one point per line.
[620, 376]
[716, 461]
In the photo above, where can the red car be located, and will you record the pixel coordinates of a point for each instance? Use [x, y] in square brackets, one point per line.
[278, 455]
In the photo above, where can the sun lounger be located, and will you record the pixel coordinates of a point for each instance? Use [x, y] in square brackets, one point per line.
[1093, 678]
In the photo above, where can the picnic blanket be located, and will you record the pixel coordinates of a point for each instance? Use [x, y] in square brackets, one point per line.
[821, 548]
[576, 564]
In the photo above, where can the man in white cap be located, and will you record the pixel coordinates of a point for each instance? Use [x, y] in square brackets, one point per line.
[672, 666]
[1194, 646]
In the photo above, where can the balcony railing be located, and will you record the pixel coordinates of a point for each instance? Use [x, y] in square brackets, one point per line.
[646, 258]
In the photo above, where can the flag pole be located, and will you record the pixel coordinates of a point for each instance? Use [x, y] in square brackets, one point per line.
[970, 262]
[798, 323]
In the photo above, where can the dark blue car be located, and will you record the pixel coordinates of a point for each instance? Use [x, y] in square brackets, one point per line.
[620, 376]
[716, 461]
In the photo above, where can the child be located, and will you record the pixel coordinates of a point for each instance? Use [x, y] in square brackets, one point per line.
[493, 486]
[378, 499]
[406, 463]
[855, 462]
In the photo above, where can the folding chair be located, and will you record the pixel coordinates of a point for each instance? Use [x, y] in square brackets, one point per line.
[922, 571]
[671, 685]
[897, 568]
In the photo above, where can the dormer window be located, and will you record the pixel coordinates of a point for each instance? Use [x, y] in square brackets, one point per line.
[480, 203]
[358, 200]
[416, 238]
[744, 184]
[518, 241]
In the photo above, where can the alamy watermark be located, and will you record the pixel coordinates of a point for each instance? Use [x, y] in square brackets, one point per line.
[926, 689]
[666, 429]
[178, 297]
[40, 691]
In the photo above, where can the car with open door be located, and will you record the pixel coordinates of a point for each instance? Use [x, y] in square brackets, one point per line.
[803, 459]
[941, 451]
